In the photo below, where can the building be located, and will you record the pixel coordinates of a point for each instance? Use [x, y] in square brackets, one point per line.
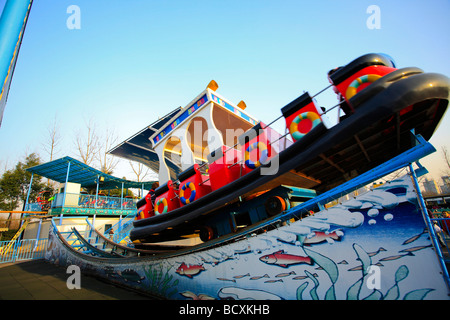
[83, 195]
[431, 187]
[445, 187]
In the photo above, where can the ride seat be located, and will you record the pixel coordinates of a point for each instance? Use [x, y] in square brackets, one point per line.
[145, 207]
[359, 74]
[256, 141]
[301, 116]
[193, 185]
[224, 166]
[166, 198]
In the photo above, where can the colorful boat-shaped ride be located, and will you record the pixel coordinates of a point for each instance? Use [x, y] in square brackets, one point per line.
[265, 169]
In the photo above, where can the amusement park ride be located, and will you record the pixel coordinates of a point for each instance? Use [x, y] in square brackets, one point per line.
[255, 197]
[264, 172]
[257, 202]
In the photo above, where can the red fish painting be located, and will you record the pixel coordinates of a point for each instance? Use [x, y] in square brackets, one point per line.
[189, 271]
[282, 259]
[320, 236]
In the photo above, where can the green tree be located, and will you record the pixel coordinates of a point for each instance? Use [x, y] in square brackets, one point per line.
[14, 184]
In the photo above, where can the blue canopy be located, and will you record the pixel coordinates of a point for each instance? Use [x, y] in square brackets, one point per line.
[83, 174]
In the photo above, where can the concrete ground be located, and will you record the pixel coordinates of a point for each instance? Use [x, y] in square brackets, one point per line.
[40, 280]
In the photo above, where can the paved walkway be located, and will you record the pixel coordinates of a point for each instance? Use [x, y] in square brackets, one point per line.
[40, 280]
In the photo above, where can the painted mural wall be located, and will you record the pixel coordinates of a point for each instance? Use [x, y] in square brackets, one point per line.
[375, 246]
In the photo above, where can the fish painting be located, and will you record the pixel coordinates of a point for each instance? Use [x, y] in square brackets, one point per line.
[131, 275]
[282, 275]
[360, 267]
[413, 249]
[371, 254]
[397, 256]
[282, 259]
[189, 270]
[259, 277]
[225, 279]
[414, 238]
[193, 296]
[273, 281]
[320, 236]
[315, 275]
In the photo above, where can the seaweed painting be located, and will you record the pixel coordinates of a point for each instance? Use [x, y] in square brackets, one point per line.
[354, 292]
[160, 281]
[393, 293]
[331, 270]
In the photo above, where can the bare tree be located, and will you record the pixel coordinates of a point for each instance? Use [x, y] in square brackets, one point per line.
[138, 169]
[141, 171]
[107, 162]
[87, 143]
[446, 158]
[52, 140]
[51, 144]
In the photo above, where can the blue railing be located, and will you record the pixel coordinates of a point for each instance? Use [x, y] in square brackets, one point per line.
[27, 249]
[122, 228]
[441, 223]
[80, 200]
[93, 201]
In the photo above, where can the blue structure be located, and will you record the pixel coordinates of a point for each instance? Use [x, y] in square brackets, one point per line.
[12, 27]
[76, 175]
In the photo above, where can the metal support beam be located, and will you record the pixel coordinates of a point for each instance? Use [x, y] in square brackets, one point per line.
[361, 146]
[121, 198]
[28, 193]
[96, 192]
[430, 226]
[65, 184]
[65, 191]
[328, 160]
[397, 127]
[26, 202]
[38, 234]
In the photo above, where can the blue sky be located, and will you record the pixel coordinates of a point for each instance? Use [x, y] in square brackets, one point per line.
[135, 60]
